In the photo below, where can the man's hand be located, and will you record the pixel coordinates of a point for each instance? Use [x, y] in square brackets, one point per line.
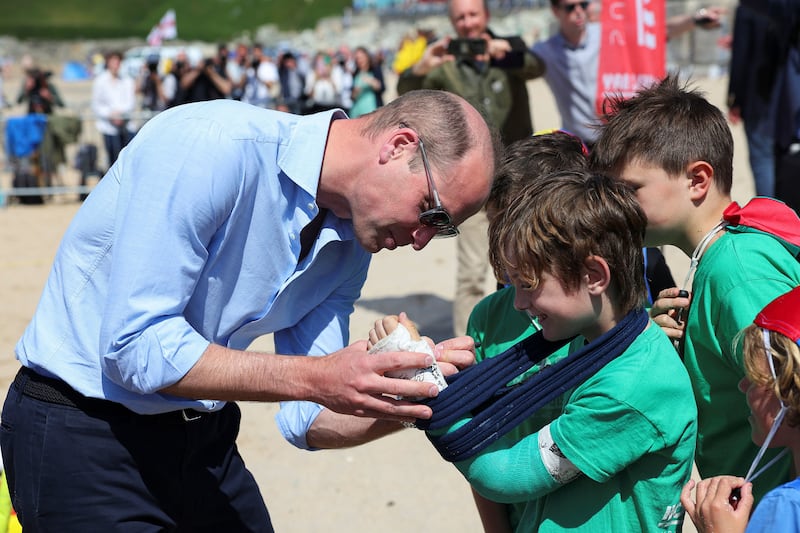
[435, 54]
[669, 312]
[709, 18]
[351, 381]
[497, 48]
[712, 509]
[735, 115]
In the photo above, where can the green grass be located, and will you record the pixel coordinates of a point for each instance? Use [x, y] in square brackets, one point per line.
[208, 20]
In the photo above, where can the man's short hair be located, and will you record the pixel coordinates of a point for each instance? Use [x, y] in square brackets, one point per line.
[439, 119]
[558, 221]
[530, 158]
[450, 6]
[669, 126]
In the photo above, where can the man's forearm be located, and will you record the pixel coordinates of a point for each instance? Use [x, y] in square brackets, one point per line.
[332, 430]
[230, 375]
[347, 381]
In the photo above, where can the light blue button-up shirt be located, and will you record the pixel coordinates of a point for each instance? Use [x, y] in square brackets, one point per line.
[193, 237]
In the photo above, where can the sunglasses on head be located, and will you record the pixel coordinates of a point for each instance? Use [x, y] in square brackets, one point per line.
[437, 216]
[569, 8]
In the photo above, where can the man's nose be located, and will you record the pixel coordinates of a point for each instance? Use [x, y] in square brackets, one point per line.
[422, 236]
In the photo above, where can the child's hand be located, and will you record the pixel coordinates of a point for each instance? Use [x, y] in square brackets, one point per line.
[387, 336]
[385, 326]
[455, 354]
[711, 509]
[669, 311]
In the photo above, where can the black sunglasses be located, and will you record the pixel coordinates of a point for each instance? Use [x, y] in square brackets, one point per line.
[569, 8]
[435, 217]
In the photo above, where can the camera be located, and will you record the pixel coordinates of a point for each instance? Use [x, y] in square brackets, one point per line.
[466, 47]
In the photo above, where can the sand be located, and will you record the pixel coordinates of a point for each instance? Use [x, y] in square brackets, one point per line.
[397, 484]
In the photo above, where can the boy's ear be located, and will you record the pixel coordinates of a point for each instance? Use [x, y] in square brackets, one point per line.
[597, 274]
[701, 179]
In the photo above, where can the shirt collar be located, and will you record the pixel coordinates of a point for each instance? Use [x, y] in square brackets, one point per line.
[301, 159]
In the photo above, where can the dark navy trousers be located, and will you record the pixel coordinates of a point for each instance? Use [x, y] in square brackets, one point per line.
[87, 469]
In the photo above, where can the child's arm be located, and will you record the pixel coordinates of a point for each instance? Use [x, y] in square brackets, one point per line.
[579, 442]
[517, 471]
[494, 516]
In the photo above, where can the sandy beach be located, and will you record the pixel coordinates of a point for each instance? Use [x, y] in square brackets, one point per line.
[398, 484]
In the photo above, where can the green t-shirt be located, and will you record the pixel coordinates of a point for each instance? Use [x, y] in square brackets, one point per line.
[496, 326]
[737, 276]
[630, 429]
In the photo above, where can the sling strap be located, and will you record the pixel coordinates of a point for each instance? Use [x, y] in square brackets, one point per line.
[482, 390]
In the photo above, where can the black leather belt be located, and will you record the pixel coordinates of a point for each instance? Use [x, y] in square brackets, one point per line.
[56, 391]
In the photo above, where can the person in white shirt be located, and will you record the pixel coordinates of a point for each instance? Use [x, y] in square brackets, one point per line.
[113, 102]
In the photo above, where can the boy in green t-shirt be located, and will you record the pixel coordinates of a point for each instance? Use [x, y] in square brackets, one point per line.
[494, 323]
[676, 150]
[616, 456]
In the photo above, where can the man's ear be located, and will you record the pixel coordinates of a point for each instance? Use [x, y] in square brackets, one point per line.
[399, 141]
[701, 179]
[597, 274]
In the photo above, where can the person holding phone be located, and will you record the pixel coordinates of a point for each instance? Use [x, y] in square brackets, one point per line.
[490, 72]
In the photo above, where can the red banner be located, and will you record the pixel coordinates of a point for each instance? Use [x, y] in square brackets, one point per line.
[633, 47]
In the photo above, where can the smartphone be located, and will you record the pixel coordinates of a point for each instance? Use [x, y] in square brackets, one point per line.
[702, 21]
[466, 47]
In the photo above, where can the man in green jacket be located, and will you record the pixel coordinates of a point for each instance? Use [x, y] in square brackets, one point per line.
[490, 72]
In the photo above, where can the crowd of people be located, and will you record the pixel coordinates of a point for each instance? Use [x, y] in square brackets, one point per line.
[585, 389]
[287, 80]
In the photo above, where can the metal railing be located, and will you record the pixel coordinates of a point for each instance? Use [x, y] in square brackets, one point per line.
[64, 178]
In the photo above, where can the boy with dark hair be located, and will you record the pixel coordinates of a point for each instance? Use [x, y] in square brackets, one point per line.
[616, 456]
[494, 323]
[675, 149]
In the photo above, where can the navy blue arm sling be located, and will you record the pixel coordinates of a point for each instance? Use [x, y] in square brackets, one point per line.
[482, 390]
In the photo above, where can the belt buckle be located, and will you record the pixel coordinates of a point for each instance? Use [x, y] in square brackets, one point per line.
[188, 418]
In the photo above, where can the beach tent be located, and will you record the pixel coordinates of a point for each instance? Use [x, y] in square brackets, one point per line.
[75, 71]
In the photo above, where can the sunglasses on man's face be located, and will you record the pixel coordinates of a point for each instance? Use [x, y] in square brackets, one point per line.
[437, 216]
[569, 8]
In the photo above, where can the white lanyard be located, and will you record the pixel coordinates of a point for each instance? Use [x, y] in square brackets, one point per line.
[693, 262]
[775, 423]
[699, 250]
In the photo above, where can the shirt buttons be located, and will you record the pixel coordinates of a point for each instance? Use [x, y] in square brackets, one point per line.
[292, 235]
[312, 207]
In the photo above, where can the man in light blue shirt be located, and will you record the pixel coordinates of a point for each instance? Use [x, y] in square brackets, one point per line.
[219, 223]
